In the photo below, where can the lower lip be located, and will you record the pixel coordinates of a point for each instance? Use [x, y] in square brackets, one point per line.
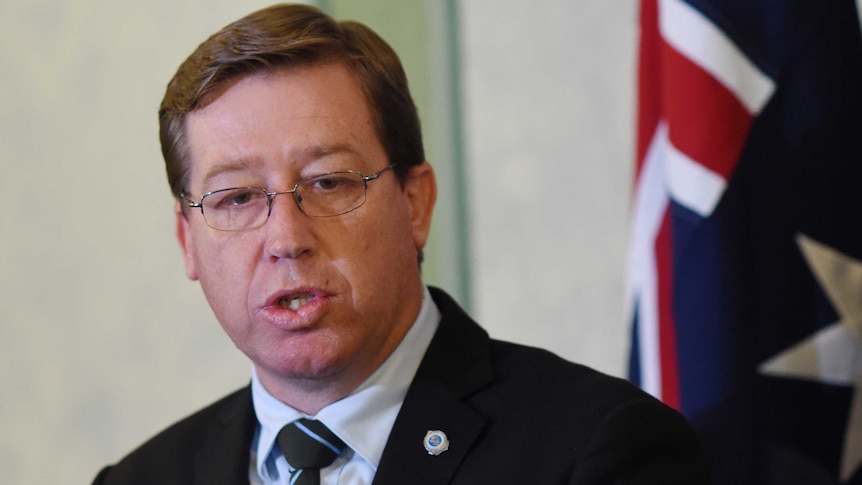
[303, 318]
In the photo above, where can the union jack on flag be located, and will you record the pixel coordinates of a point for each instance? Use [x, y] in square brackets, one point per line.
[745, 267]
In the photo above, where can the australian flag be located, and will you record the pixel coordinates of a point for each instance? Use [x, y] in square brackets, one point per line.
[746, 253]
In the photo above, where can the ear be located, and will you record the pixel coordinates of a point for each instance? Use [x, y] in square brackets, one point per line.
[184, 237]
[421, 191]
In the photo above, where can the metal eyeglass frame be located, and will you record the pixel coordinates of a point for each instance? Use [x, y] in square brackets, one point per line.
[296, 197]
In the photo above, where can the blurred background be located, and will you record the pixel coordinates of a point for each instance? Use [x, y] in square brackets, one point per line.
[527, 109]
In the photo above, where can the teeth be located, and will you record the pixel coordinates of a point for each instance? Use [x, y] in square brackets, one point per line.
[294, 302]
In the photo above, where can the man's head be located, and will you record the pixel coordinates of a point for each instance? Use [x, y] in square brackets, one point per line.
[316, 299]
[291, 36]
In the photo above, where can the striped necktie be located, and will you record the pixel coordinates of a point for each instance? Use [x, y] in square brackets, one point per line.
[308, 446]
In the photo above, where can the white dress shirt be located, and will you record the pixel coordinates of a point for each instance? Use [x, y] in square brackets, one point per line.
[363, 419]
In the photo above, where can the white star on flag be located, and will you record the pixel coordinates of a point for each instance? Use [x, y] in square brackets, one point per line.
[833, 355]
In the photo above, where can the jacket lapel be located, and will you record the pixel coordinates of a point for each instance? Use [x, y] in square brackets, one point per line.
[456, 364]
[224, 457]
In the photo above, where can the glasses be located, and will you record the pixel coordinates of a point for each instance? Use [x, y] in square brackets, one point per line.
[245, 208]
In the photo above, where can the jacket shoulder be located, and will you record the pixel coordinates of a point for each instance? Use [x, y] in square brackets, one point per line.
[606, 428]
[170, 456]
[520, 365]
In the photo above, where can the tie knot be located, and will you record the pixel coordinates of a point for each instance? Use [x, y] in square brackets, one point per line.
[307, 443]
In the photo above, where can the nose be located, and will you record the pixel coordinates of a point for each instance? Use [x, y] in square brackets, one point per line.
[288, 231]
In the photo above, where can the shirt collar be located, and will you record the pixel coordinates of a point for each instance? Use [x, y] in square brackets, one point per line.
[365, 417]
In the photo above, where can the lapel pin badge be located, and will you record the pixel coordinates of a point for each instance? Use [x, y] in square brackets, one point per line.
[435, 442]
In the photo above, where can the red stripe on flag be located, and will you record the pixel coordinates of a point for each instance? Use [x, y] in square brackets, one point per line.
[649, 82]
[666, 327]
[706, 121]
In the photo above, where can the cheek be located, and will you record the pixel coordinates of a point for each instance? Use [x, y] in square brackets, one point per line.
[225, 272]
[389, 251]
[370, 251]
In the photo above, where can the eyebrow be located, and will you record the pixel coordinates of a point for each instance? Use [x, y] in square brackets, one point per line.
[306, 155]
[237, 165]
[316, 152]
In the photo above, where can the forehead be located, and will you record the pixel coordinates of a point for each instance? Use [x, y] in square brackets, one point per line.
[283, 119]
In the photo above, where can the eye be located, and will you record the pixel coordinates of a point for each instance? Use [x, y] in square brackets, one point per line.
[241, 197]
[231, 199]
[332, 183]
[329, 183]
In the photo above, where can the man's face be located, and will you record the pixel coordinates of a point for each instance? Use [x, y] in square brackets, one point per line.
[355, 276]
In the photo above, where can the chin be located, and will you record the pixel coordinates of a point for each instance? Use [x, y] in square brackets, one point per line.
[305, 365]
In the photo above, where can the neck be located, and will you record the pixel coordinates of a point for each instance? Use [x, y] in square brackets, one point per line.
[308, 396]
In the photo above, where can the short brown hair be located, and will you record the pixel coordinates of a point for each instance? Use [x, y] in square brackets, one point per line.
[292, 36]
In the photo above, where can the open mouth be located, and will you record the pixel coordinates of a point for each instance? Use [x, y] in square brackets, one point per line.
[294, 302]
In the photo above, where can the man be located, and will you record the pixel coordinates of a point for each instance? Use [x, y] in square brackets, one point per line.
[304, 200]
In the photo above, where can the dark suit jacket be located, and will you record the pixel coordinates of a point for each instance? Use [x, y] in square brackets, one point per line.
[513, 415]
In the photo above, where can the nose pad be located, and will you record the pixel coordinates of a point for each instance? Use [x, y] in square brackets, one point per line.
[292, 197]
